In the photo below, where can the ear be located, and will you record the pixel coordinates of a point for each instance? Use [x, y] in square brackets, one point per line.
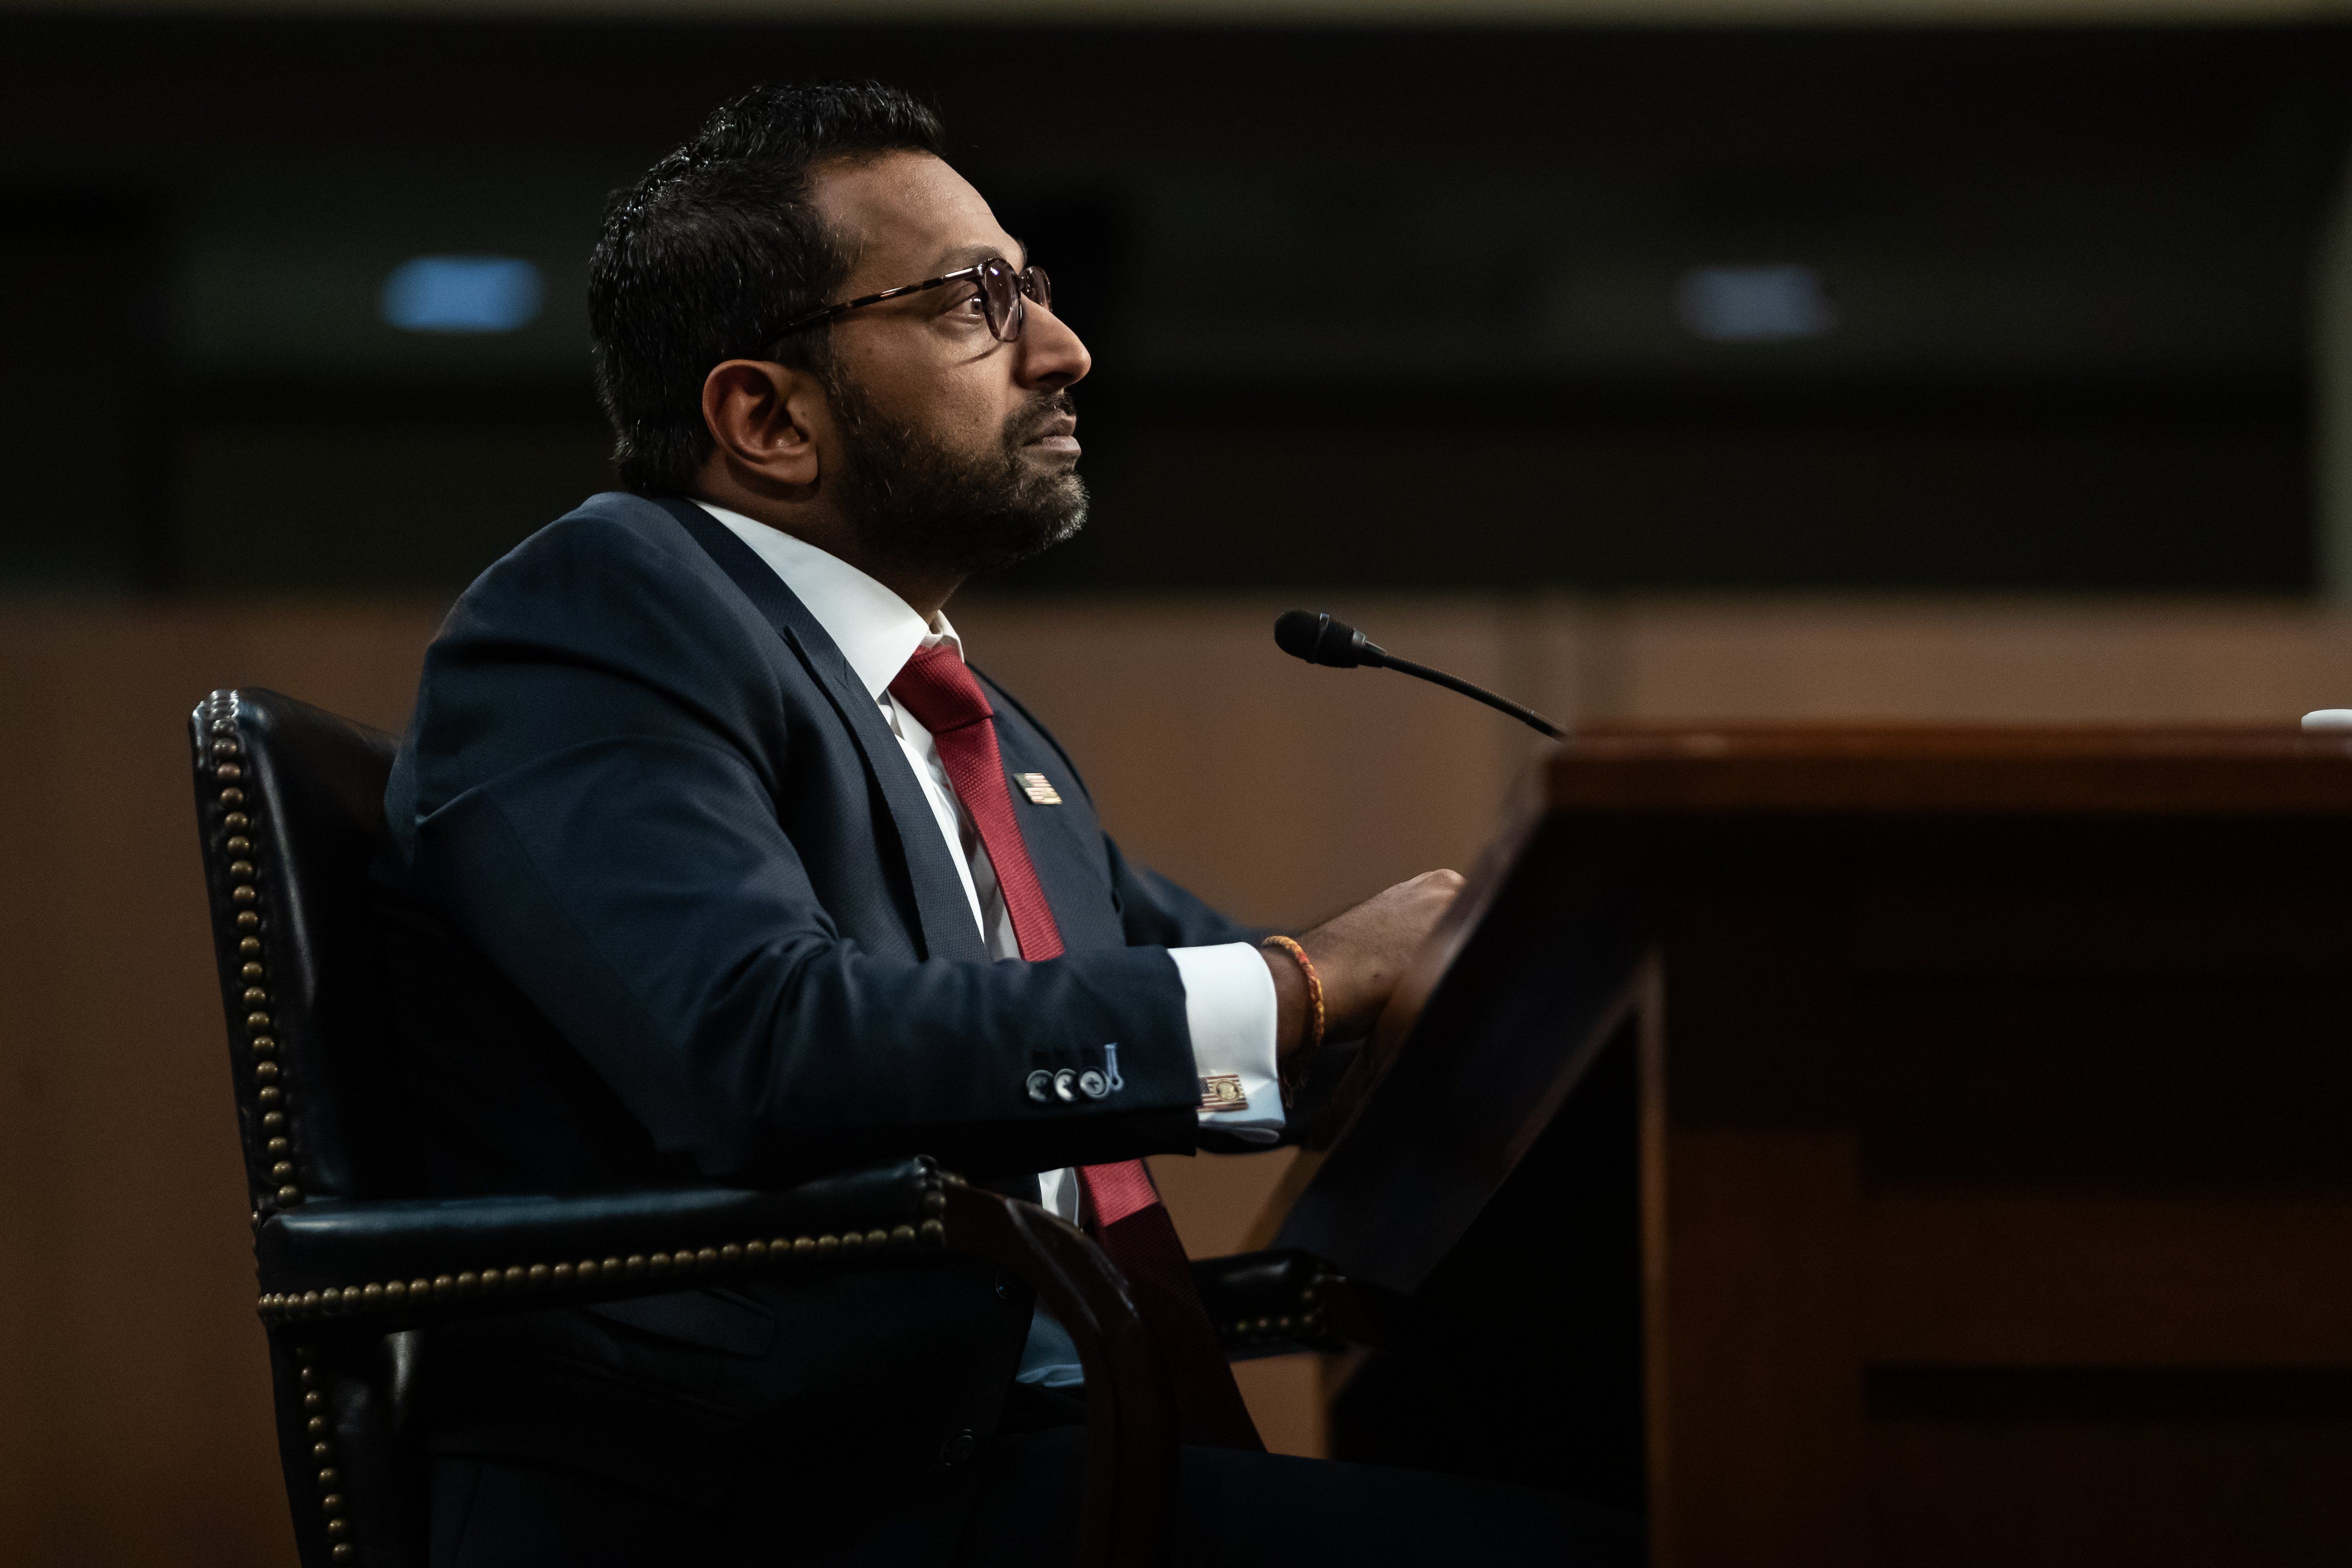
[762, 419]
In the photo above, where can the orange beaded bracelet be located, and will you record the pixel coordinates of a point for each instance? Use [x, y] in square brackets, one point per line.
[1314, 989]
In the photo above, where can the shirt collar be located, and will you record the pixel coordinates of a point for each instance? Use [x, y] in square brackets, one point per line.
[876, 631]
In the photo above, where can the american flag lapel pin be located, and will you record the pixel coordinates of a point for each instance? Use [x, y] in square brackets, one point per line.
[1039, 790]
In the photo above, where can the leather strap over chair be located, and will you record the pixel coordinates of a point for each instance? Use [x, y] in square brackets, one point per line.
[289, 810]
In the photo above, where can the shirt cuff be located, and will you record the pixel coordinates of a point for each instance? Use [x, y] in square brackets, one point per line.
[1229, 1006]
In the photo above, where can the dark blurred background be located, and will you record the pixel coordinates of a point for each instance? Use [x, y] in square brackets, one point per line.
[1915, 372]
[1394, 307]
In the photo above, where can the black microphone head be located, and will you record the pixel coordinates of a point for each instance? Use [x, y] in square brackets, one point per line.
[1295, 632]
[1320, 639]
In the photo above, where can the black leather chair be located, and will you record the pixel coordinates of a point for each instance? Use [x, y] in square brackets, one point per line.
[351, 1261]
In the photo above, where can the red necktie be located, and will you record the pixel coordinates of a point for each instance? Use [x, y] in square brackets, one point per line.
[1127, 1216]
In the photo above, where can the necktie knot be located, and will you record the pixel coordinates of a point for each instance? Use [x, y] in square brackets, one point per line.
[941, 690]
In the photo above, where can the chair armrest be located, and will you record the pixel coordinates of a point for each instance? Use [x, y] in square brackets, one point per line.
[376, 1267]
[1278, 1302]
[398, 1263]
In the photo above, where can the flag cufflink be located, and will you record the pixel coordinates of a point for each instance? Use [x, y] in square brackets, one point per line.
[1039, 790]
[1223, 1091]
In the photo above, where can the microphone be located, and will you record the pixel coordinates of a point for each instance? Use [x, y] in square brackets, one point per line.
[1320, 639]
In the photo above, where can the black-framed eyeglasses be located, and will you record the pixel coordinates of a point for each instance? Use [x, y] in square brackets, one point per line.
[1001, 293]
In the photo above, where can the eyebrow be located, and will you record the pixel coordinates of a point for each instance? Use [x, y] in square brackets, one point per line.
[965, 256]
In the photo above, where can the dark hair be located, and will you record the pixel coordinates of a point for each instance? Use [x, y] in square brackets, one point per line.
[708, 256]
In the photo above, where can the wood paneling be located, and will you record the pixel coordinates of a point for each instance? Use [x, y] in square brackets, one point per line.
[1978, 662]
[2027, 1279]
[1755, 1436]
[133, 1392]
[2054, 1472]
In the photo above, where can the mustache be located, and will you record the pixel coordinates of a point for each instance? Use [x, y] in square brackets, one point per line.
[1029, 423]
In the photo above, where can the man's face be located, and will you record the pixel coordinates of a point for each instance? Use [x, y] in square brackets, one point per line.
[959, 451]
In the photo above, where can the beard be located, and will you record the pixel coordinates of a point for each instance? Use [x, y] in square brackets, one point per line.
[913, 500]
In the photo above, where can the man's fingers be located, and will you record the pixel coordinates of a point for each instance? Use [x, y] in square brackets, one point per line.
[1362, 953]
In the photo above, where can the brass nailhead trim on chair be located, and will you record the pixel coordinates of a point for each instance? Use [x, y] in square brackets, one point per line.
[321, 1429]
[1306, 1326]
[733, 1258]
[238, 851]
[1259, 1330]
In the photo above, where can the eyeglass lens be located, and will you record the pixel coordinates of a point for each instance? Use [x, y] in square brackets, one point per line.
[1000, 293]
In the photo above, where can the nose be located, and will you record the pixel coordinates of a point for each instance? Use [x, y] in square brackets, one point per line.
[1052, 357]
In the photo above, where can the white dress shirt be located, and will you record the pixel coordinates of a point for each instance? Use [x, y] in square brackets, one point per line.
[1229, 1000]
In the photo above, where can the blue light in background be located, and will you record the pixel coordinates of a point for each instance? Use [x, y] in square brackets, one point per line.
[461, 294]
[1755, 304]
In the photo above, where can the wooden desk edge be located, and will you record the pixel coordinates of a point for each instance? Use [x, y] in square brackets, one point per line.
[2121, 770]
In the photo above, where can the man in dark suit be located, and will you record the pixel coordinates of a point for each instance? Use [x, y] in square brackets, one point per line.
[713, 860]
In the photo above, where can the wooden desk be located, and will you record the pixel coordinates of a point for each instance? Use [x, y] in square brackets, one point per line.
[1882, 1146]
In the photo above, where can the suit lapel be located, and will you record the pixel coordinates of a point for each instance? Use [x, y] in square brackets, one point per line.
[1065, 841]
[939, 902]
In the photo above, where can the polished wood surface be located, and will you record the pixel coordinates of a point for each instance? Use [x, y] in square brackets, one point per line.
[1982, 1178]
[2264, 769]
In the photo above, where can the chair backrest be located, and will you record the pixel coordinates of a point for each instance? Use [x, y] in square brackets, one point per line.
[289, 810]
[289, 805]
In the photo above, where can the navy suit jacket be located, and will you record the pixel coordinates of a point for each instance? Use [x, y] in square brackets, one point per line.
[668, 905]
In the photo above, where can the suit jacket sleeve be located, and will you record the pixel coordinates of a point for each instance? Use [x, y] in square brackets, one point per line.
[590, 794]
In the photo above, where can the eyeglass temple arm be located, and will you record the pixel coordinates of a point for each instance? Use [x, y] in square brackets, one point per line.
[832, 312]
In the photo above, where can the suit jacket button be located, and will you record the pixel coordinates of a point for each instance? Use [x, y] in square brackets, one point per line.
[1093, 1085]
[1040, 1086]
[958, 1449]
[1065, 1085]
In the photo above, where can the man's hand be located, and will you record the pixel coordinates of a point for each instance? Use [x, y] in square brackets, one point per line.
[1359, 956]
